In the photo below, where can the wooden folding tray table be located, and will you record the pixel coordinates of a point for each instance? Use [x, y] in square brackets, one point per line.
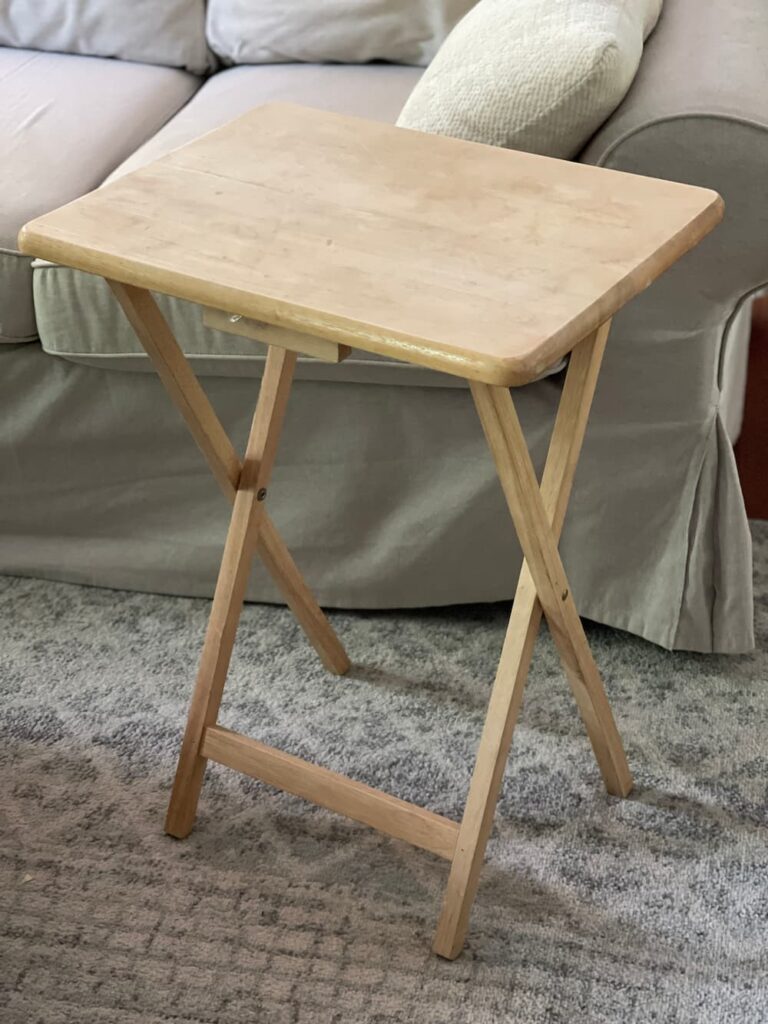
[315, 232]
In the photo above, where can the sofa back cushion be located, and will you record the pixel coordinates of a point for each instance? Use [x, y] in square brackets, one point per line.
[535, 75]
[169, 32]
[348, 31]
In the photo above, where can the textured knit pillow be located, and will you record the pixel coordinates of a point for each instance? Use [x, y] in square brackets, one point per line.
[169, 32]
[536, 75]
[348, 31]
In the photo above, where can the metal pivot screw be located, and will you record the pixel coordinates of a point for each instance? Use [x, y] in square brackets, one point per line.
[235, 317]
[261, 494]
[564, 594]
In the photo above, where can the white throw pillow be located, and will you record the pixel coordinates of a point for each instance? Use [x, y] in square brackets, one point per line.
[535, 75]
[168, 32]
[348, 31]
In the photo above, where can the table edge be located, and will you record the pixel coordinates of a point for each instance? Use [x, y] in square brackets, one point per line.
[509, 371]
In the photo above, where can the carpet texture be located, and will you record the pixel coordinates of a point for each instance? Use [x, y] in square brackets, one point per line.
[591, 909]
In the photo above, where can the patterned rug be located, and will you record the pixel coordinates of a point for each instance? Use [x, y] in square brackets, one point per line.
[591, 909]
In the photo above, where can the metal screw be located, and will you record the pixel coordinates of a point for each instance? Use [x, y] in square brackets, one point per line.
[261, 494]
[564, 594]
[235, 317]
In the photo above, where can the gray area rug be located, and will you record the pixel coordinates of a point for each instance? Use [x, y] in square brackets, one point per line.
[591, 909]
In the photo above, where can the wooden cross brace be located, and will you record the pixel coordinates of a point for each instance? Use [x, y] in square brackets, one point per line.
[538, 512]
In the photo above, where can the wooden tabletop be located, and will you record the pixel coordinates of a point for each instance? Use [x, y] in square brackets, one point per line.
[482, 262]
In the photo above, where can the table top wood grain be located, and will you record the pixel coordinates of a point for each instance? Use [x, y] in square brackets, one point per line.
[486, 263]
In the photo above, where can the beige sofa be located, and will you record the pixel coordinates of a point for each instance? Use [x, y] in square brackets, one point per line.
[100, 484]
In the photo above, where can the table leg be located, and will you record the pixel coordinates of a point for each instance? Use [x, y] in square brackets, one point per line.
[279, 563]
[507, 692]
[228, 598]
[538, 514]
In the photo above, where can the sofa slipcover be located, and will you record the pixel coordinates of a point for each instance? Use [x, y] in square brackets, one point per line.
[66, 122]
[697, 113]
[405, 504]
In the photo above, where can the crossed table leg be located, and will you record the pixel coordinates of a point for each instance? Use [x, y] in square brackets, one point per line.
[537, 512]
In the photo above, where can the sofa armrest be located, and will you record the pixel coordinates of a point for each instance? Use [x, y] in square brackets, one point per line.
[698, 113]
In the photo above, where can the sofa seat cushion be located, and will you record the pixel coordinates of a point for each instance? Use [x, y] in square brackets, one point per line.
[534, 75]
[65, 123]
[168, 32]
[347, 31]
[77, 315]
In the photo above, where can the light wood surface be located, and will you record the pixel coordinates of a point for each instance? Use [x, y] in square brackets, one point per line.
[482, 262]
[304, 344]
[517, 652]
[189, 397]
[330, 789]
